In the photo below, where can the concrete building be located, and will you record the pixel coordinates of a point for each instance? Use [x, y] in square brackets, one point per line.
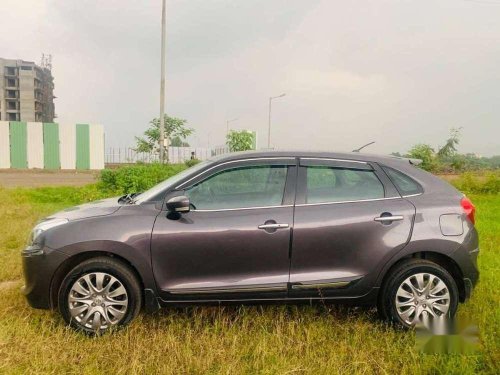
[26, 92]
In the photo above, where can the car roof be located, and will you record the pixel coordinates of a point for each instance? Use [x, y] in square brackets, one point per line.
[385, 159]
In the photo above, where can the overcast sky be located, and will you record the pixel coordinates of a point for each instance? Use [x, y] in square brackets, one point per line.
[397, 72]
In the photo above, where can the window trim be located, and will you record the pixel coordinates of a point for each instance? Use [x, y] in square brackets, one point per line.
[240, 208]
[200, 175]
[341, 202]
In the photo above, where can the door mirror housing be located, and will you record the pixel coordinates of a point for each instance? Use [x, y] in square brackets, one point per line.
[178, 204]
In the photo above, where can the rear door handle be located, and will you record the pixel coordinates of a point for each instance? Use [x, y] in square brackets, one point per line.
[389, 218]
[272, 226]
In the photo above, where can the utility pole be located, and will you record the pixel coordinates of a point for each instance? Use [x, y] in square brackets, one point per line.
[163, 140]
[269, 120]
[227, 125]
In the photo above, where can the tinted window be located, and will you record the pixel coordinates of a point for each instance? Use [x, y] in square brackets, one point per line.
[254, 186]
[405, 184]
[327, 184]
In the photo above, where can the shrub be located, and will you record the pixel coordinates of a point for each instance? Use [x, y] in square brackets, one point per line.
[488, 183]
[189, 163]
[137, 178]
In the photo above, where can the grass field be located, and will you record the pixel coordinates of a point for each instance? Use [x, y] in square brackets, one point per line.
[318, 339]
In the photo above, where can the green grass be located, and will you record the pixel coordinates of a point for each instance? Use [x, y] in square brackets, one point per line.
[318, 339]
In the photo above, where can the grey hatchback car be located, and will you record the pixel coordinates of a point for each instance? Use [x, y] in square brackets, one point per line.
[261, 226]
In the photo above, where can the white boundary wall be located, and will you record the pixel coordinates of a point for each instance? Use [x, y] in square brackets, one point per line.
[96, 135]
[4, 145]
[35, 144]
[67, 143]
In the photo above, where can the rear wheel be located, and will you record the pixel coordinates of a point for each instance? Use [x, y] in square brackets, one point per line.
[418, 290]
[98, 294]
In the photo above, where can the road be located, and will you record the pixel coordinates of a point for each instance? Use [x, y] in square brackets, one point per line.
[28, 178]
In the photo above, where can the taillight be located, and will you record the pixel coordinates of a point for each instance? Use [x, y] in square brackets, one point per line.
[469, 209]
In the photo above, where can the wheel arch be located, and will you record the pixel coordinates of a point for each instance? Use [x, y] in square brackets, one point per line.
[76, 259]
[441, 259]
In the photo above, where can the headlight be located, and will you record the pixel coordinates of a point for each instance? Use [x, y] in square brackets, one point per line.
[43, 226]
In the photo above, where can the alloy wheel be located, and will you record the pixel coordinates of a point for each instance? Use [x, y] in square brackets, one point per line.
[97, 301]
[422, 296]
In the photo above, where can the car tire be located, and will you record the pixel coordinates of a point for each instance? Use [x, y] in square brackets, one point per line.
[402, 297]
[98, 294]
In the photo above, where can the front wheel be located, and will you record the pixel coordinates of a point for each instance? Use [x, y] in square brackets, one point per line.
[98, 294]
[418, 290]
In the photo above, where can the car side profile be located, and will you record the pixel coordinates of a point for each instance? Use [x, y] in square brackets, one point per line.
[261, 226]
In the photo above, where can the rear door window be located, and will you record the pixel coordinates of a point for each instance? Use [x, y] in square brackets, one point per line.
[331, 184]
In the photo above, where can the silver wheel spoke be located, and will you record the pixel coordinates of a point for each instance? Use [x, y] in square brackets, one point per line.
[79, 288]
[439, 287]
[117, 292]
[407, 313]
[79, 309]
[99, 279]
[85, 300]
[431, 312]
[96, 321]
[97, 300]
[404, 294]
[85, 319]
[111, 282]
[429, 284]
[406, 303]
[117, 314]
[440, 307]
[420, 281]
[112, 302]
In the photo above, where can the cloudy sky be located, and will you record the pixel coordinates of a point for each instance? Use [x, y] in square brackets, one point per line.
[397, 72]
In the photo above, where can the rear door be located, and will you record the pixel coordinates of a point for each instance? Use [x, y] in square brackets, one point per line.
[349, 219]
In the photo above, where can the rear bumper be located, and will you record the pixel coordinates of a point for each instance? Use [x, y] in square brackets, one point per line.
[39, 267]
[467, 261]
[469, 286]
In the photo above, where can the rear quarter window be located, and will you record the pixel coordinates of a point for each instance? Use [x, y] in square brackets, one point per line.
[404, 183]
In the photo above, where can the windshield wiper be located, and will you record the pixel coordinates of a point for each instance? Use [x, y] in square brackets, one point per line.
[128, 198]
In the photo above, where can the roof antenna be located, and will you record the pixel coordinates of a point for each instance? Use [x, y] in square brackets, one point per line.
[362, 147]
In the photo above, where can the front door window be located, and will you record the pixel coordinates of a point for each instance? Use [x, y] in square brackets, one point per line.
[242, 187]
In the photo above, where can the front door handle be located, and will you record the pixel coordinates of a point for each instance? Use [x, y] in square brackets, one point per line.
[389, 218]
[272, 226]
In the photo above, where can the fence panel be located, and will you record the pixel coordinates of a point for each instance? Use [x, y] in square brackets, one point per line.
[4, 145]
[176, 155]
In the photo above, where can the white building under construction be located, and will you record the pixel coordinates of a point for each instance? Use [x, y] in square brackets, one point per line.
[26, 91]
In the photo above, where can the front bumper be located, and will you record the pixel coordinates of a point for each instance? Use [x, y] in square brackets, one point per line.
[39, 267]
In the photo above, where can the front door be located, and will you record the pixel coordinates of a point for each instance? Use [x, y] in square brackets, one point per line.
[349, 220]
[234, 243]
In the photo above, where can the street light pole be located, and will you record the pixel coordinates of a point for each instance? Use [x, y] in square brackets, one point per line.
[269, 119]
[227, 125]
[163, 140]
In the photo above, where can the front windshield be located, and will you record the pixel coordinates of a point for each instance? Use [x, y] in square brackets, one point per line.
[148, 194]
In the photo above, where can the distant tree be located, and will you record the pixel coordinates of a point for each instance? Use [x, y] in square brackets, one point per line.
[239, 140]
[450, 147]
[174, 128]
[447, 159]
[425, 153]
[397, 154]
[178, 142]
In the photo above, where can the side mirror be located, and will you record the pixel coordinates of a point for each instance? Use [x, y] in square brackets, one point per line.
[178, 204]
